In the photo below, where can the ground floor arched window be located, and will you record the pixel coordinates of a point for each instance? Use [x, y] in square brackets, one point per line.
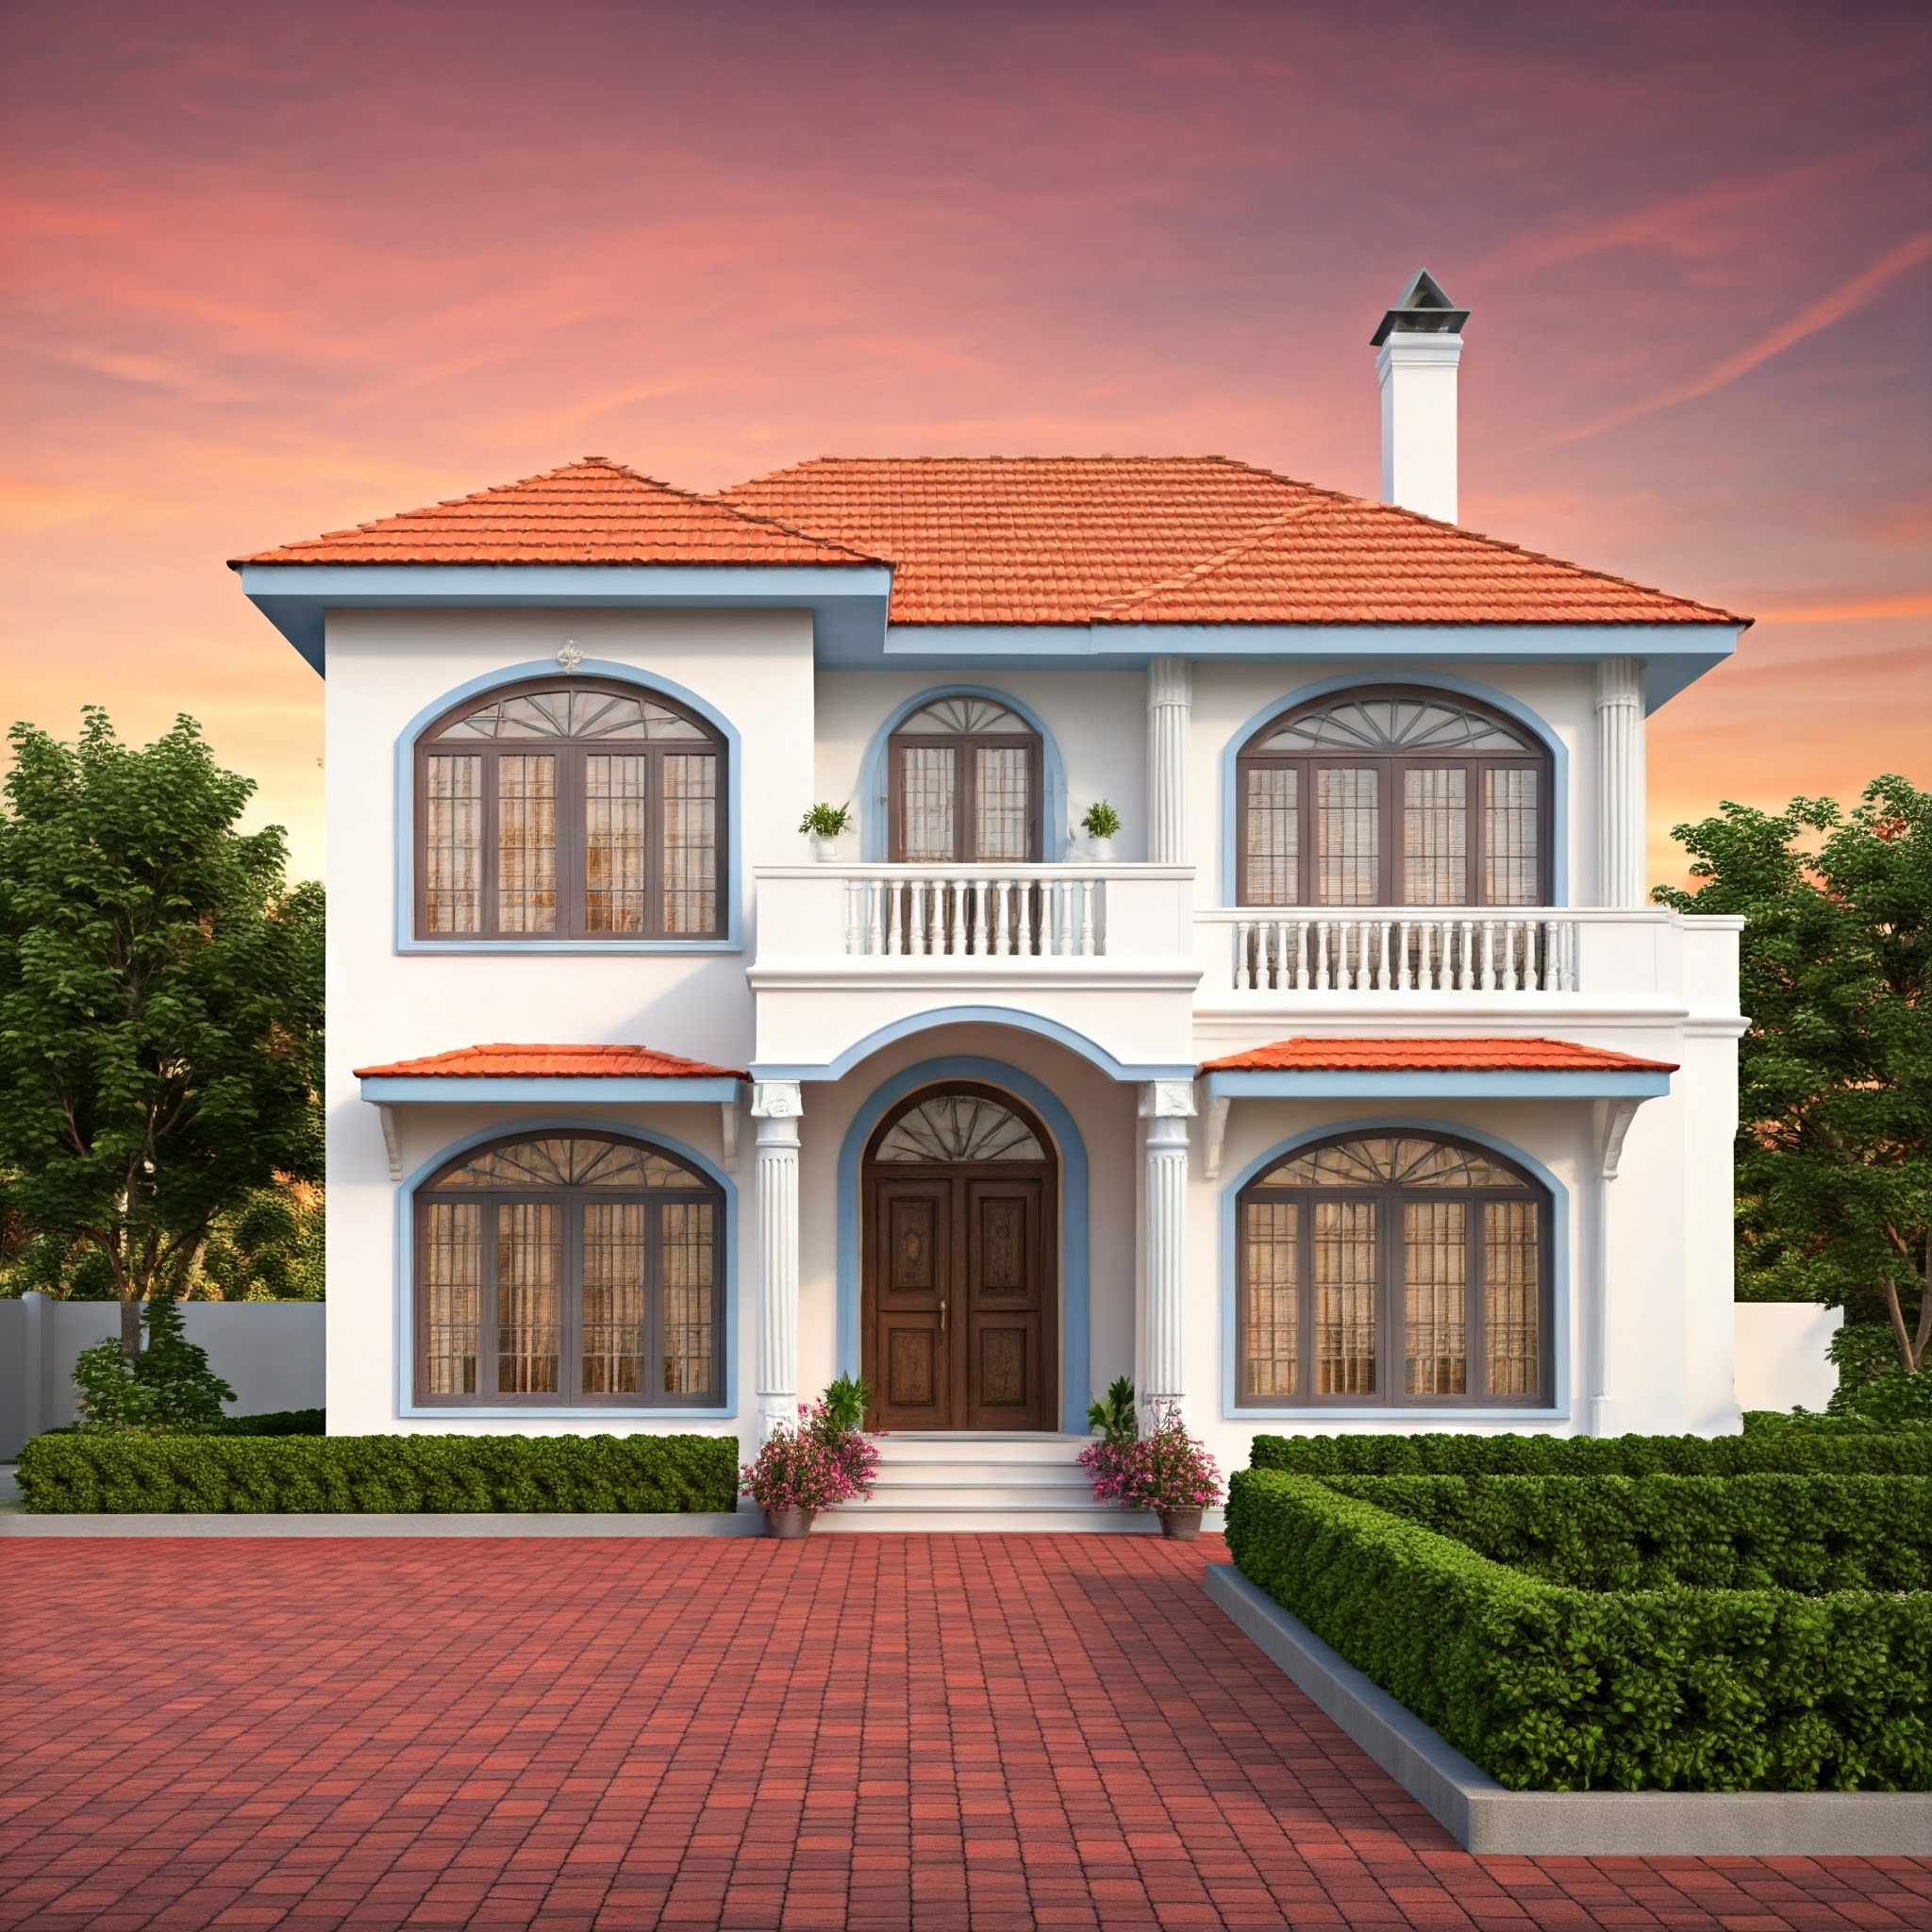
[1384, 1270]
[561, 1269]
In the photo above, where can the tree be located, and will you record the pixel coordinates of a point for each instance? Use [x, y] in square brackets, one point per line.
[1835, 1145]
[161, 1003]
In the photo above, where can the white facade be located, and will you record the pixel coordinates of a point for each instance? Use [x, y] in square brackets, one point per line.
[1101, 1041]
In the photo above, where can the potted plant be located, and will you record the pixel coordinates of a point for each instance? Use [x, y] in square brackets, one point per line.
[824, 1460]
[1100, 825]
[822, 825]
[1170, 1472]
[1114, 1420]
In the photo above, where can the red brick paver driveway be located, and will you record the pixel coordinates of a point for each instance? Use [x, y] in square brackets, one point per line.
[857, 1731]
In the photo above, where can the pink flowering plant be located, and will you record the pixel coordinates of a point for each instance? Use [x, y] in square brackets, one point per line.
[1114, 1421]
[1170, 1468]
[824, 1460]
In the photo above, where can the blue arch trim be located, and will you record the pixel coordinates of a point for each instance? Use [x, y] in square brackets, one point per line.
[407, 941]
[875, 777]
[1075, 1336]
[1424, 679]
[548, 1123]
[953, 1016]
[1558, 1408]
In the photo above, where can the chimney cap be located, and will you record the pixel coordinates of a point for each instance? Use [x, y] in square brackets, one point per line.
[1424, 309]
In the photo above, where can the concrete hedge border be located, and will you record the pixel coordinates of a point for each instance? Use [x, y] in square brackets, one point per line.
[162, 1475]
[1552, 1687]
[1768, 1452]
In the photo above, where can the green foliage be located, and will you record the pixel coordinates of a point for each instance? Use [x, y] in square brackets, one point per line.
[1759, 1452]
[1549, 1687]
[1102, 820]
[826, 820]
[1808, 1533]
[221, 1475]
[1115, 1415]
[1835, 1147]
[167, 1382]
[161, 1002]
[845, 1403]
[268, 1249]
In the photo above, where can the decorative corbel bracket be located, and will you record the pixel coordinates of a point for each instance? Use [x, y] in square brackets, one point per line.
[728, 1120]
[393, 1140]
[1614, 1118]
[1216, 1125]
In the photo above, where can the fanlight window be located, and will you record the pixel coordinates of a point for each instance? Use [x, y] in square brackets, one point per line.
[587, 812]
[965, 785]
[568, 1269]
[958, 1127]
[1393, 798]
[1393, 1271]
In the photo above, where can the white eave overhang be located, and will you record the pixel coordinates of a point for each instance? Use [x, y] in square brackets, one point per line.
[460, 1090]
[1437, 1083]
[847, 601]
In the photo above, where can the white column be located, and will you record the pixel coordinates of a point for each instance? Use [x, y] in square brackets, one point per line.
[777, 1105]
[1620, 783]
[1166, 1105]
[1170, 707]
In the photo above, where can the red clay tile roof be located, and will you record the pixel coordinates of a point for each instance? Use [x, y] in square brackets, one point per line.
[503, 1062]
[1175, 539]
[593, 511]
[1433, 1056]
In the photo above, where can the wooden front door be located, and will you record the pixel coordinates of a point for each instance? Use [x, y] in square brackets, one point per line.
[959, 1300]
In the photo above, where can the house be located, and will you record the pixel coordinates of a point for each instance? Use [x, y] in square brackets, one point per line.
[1354, 1084]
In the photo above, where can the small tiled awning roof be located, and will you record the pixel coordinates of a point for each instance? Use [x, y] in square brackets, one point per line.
[1434, 1056]
[505, 1062]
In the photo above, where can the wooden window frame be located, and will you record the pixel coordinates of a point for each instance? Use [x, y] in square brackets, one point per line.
[1390, 1313]
[571, 833]
[965, 787]
[571, 1201]
[1390, 768]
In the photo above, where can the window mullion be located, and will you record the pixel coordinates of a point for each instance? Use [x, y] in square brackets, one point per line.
[1475, 1313]
[569, 1323]
[651, 1380]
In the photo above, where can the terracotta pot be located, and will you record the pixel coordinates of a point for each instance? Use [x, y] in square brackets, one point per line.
[789, 1523]
[1184, 1526]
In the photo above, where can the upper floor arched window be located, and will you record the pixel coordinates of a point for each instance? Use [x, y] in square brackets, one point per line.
[965, 779]
[1394, 797]
[561, 1269]
[581, 811]
[1384, 1270]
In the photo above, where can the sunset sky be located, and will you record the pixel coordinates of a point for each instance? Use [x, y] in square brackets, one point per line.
[271, 268]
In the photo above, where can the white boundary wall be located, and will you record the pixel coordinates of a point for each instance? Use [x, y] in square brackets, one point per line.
[270, 1353]
[1781, 1359]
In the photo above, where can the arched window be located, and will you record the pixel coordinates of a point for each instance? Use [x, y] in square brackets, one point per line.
[555, 1269]
[965, 785]
[1394, 797]
[1384, 1270]
[591, 810]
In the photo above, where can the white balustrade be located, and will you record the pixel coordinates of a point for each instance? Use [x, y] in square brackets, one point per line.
[908, 911]
[1402, 949]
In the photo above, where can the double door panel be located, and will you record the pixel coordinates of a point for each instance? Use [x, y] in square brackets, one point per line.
[959, 1317]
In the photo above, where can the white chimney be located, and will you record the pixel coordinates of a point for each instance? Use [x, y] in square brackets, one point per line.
[1421, 344]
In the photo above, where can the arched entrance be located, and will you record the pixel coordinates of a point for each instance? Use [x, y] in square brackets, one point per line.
[960, 1294]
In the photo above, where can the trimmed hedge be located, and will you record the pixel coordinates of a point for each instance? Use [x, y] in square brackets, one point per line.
[1768, 1452]
[160, 1474]
[278, 1421]
[1807, 1533]
[1558, 1688]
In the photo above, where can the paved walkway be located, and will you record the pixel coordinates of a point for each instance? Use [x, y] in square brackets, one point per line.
[976, 1732]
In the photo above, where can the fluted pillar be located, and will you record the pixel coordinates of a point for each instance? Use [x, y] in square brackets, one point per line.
[1170, 708]
[1166, 1104]
[777, 1105]
[1620, 794]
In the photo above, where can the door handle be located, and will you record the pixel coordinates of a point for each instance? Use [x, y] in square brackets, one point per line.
[943, 1314]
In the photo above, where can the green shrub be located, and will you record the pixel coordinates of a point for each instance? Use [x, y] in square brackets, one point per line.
[1759, 1452]
[1808, 1533]
[278, 1421]
[167, 1382]
[158, 1474]
[1558, 1688]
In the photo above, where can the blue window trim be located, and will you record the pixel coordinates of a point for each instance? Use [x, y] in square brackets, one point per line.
[1329, 1420]
[460, 1090]
[1424, 679]
[1437, 1083]
[510, 1416]
[874, 772]
[407, 941]
[1075, 1326]
[934, 1017]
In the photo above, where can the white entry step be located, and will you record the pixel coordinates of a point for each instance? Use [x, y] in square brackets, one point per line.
[981, 1481]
